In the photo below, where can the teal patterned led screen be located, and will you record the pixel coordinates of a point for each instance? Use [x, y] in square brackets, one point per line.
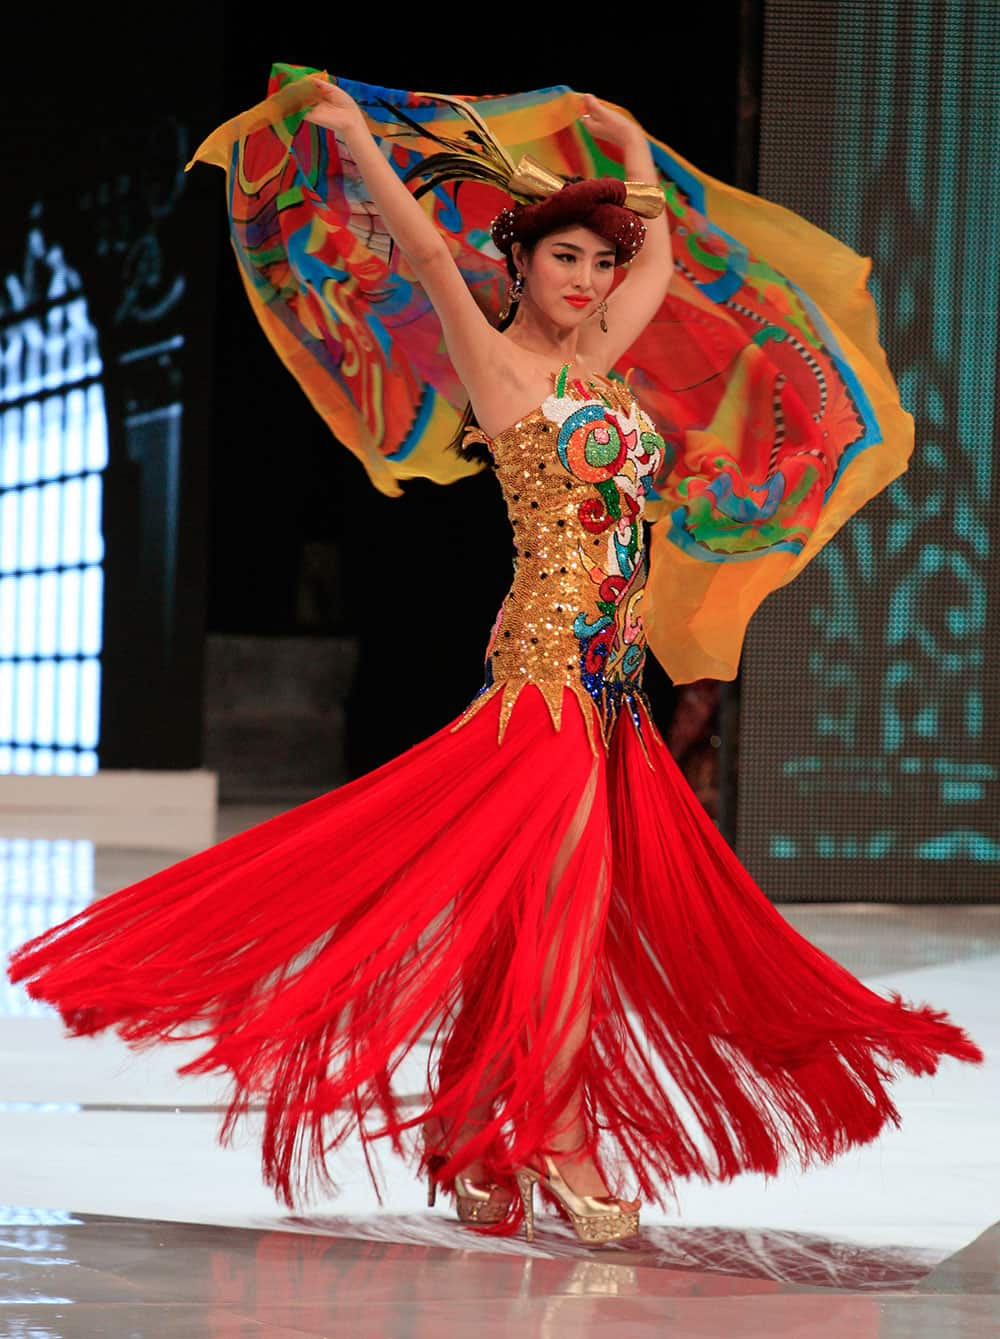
[869, 752]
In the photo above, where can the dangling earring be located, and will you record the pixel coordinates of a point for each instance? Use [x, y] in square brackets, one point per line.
[602, 307]
[514, 297]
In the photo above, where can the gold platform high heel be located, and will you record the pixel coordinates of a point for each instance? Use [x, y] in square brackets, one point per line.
[596, 1219]
[434, 1165]
[473, 1203]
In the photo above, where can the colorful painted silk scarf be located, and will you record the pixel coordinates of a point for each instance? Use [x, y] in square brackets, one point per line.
[762, 369]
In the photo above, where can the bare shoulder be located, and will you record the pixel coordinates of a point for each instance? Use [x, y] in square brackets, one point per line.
[507, 386]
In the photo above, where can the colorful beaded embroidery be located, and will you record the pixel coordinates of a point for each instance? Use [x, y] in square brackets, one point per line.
[575, 474]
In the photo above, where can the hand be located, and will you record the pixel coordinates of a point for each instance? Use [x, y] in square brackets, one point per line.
[334, 109]
[605, 123]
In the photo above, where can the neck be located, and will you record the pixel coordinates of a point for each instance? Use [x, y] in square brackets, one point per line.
[536, 333]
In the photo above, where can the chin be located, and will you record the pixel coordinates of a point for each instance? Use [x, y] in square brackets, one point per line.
[566, 318]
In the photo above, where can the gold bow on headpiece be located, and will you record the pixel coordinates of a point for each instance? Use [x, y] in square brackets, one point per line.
[533, 181]
[478, 156]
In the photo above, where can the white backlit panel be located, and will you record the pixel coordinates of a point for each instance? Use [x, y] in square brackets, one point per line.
[53, 450]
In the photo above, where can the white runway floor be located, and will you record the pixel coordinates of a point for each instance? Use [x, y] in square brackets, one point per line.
[105, 1154]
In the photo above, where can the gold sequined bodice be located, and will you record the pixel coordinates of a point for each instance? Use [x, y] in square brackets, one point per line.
[574, 473]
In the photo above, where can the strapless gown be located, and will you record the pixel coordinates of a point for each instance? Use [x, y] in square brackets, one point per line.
[534, 892]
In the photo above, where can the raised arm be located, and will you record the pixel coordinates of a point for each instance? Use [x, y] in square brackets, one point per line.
[476, 349]
[636, 300]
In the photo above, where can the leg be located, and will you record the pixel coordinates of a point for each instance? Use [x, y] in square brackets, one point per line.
[570, 914]
[567, 989]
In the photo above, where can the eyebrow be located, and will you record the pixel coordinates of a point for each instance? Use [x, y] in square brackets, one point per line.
[572, 246]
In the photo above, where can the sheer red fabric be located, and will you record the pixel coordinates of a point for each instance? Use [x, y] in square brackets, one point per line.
[565, 925]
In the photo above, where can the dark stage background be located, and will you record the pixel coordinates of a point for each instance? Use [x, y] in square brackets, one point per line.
[227, 508]
[230, 518]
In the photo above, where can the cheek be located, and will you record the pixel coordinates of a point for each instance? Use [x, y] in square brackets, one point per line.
[604, 282]
[547, 276]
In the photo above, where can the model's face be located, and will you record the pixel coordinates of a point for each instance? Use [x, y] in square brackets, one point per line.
[567, 274]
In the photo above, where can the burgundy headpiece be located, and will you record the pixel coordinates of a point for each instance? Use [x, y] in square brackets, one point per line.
[596, 203]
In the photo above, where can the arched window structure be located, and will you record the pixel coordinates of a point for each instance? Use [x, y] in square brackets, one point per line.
[53, 451]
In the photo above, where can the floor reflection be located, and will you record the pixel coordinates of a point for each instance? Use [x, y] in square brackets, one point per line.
[776, 1256]
[62, 1273]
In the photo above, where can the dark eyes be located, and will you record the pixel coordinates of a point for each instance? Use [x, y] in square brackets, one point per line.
[568, 255]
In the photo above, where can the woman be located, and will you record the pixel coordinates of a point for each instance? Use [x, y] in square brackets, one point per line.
[534, 887]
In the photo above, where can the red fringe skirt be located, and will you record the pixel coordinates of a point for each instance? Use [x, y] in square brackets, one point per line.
[568, 931]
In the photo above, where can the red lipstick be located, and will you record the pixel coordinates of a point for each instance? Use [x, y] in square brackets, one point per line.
[578, 302]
